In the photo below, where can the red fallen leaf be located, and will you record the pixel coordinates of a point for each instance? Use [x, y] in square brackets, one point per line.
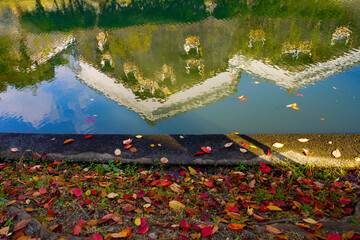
[88, 136]
[142, 222]
[141, 194]
[81, 223]
[300, 192]
[182, 173]
[57, 228]
[94, 192]
[307, 182]
[97, 236]
[77, 229]
[76, 191]
[260, 218]
[128, 146]
[302, 225]
[206, 149]
[234, 215]
[344, 200]
[206, 231]
[236, 226]
[42, 190]
[203, 195]
[268, 152]
[252, 184]
[182, 237]
[309, 173]
[143, 230]
[22, 224]
[244, 144]
[199, 153]
[208, 183]
[348, 211]
[68, 141]
[334, 236]
[50, 212]
[89, 202]
[337, 184]
[273, 230]
[183, 222]
[43, 156]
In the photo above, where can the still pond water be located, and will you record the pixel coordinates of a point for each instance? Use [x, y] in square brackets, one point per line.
[180, 66]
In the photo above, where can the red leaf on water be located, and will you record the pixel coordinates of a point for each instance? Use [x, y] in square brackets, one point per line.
[76, 191]
[206, 231]
[42, 190]
[199, 153]
[143, 230]
[88, 136]
[334, 236]
[77, 230]
[97, 236]
[128, 146]
[299, 95]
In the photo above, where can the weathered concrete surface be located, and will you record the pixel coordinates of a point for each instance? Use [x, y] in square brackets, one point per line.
[181, 150]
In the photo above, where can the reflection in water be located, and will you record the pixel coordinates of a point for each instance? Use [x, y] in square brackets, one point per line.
[161, 58]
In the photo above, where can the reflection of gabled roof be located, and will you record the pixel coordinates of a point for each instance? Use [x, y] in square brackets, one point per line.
[288, 79]
[209, 91]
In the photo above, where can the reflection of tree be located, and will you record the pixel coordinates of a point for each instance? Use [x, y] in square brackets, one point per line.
[75, 14]
[137, 12]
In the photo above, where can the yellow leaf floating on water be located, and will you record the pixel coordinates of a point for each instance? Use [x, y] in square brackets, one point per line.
[303, 140]
[228, 144]
[138, 136]
[192, 171]
[176, 205]
[293, 105]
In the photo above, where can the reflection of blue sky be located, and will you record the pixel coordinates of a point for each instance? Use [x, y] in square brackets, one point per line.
[63, 106]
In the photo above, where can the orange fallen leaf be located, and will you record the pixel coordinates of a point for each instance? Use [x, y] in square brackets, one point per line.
[273, 230]
[68, 141]
[242, 98]
[236, 226]
[133, 149]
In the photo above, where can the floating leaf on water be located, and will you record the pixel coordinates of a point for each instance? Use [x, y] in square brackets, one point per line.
[139, 136]
[278, 145]
[117, 152]
[181, 136]
[14, 149]
[322, 119]
[68, 141]
[206, 149]
[90, 120]
[291, 105]
[243, 150]
[227, 145]
[242, 98]
[152, 145]
[299, 95]
[88, 136]
[336, 153]
[128, 146]
[133, 149]
[303, 140]
[256, 82]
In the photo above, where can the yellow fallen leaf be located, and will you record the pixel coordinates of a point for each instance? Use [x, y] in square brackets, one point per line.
[296, 108]
[252, 146]
[273, 208]
[137, 222]
[192, 171]
[4, 231]
[138, 136]
[310, 220]
[176, 205]
[152, 145]
[88, 193]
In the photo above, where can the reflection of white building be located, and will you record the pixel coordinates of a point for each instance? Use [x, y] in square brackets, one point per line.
[209, 91]
[290, 79]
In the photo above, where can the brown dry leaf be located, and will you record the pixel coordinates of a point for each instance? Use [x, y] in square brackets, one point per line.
[175, 187]
[176, 205]
[283, 237]
[117, 152]
[195, 236]
[133, 149]
[250, 211]
[4, 231]
[306, 152]
[22, 224]
[310, 236]
[112, 195]
[227, 145]
[233, 215]
[348, 235]
[273, 230]
[310, 220]
[336, 153]
[29, 209]
[92, 222]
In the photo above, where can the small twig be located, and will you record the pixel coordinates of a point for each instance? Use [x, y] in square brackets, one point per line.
[84, 212]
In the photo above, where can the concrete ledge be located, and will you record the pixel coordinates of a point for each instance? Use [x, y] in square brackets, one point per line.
[180, 150]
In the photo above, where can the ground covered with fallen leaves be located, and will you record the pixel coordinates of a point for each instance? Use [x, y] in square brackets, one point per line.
[114, 200]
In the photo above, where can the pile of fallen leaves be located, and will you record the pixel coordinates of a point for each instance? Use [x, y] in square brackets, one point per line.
[118, 201]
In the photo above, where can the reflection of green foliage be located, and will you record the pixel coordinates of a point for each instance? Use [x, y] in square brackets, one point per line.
[19, 71]
[140, 12]
[322, 9]
[76, 14]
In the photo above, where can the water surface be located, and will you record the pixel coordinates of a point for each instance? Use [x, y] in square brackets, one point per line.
[179, 66]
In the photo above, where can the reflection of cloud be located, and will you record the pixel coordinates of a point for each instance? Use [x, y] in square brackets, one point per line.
[31, 109]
